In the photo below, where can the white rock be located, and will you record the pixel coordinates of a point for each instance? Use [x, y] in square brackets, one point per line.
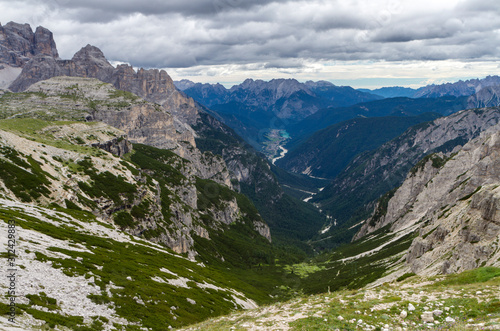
[437, 312]
[403, 314]
[449, 320]
[411, 307]
[427, 317]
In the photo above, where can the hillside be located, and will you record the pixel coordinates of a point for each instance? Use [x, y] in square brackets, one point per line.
[469, 302]
[112, 229]
[329, 151]
[379, 108]
[453, 202]
[349, 197]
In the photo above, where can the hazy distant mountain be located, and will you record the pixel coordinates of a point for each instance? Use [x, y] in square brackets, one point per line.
[392, 92]
[340, 96]
[183, 84]
[460, 88]
[391, 106]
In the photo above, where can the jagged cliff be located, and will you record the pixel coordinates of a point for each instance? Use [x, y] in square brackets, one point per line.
[19, 44]
[452, 203]
[153, 85]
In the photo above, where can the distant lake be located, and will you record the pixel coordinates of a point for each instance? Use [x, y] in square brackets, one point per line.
[284, 134]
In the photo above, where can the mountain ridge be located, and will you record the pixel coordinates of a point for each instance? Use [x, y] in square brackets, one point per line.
[372, 174]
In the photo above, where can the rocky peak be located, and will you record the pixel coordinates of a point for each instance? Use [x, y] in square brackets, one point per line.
[457, 89]
[279, 88]
[184, 84]
[318, 84]
[18, 44]
[91, 53]
[44, 42]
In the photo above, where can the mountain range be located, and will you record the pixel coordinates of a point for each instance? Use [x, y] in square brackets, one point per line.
[255, 107]
[134, 206]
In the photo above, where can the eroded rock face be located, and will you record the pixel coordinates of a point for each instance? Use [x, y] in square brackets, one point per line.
[455, 208]
[486, 97]
[117, 146]
[19, 44]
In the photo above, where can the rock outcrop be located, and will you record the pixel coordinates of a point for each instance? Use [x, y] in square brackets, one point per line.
[153, 85]
[116, 146]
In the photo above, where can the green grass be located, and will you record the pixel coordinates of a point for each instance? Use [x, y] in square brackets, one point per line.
[120, 260]
[479, 275]
[23, 175]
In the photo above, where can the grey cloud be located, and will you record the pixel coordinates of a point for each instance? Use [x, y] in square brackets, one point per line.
[160, 7]
[269, 34]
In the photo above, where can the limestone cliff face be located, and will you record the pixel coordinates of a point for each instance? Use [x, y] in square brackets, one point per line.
[143, 122]
[453, 203]
[19, 44]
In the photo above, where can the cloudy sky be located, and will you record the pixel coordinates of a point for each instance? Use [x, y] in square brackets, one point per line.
[362, 43]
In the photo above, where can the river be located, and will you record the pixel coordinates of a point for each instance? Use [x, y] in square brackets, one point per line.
[282, 154]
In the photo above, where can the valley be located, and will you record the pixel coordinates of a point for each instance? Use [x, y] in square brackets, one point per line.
[130, 201]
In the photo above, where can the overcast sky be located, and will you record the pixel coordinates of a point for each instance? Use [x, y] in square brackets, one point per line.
[362, 43]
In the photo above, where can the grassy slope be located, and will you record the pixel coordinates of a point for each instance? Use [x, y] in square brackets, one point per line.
[467, 301]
